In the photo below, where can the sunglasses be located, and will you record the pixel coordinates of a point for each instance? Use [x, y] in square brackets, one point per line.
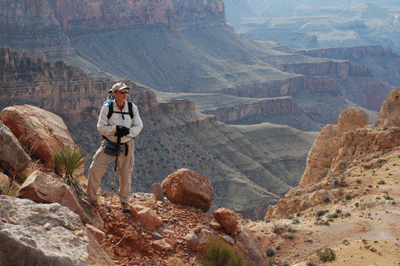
[122, 92]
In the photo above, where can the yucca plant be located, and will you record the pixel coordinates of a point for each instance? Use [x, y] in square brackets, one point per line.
[70, 160]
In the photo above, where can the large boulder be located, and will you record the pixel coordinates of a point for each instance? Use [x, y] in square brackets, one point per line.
[326, 146]
[43, 188]
[12, 156]
[187, 187]
[42, 132]
[40, 234]
[389, 114]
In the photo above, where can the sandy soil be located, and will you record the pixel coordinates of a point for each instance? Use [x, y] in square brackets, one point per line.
[366, 231]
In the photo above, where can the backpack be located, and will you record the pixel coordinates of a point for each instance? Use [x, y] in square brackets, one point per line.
[111, 110]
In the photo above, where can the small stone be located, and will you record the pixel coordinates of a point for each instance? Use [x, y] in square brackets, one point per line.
[158, 191]
[79, 233]
[228, 239]
[47, 226]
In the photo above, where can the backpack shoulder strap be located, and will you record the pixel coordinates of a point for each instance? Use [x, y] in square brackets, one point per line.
[130, 106]
[110, 110]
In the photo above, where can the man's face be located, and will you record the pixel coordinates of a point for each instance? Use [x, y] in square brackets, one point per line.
[121, 95]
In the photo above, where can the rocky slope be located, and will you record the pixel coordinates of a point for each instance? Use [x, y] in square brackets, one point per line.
[348, 196]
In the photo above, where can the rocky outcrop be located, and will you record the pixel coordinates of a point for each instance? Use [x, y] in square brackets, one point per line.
[321, 84]
[389, 114]
[40, 131]
[189, 188]
[347, 53]
[335, 151]
[42, 188]
[342, 69]
[326, 146]
[173, 106]
[12, 156]
[274, 88]
[40, 234]
[267, 107]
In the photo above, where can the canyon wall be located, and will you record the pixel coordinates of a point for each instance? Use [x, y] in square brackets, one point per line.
[274, 88]
[45, 26]
[354, 82]
[267, 107]
[82, 16]
[348, 53]
[66, 90]
[342, 69]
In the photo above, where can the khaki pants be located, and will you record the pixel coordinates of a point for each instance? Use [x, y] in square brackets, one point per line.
[99, 167]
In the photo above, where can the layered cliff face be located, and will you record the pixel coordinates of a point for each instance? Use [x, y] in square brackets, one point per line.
[355, 83]
[45, 26]
[348, 53]
[266, 107]
[79, 16]
[382, 62]
[33, 27]
[61, 89]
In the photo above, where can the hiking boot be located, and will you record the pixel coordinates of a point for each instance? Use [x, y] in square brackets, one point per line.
[94, 203]
[125, 207]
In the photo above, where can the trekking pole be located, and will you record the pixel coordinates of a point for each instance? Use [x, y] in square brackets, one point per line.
[115, 168]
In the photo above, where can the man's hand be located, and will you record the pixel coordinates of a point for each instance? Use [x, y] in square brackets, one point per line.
[122, 131]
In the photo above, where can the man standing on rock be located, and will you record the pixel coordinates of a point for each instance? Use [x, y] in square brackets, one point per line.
[119, 122]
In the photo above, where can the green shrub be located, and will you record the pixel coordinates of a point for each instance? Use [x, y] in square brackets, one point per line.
[70, 160]
[219, 253]
[327, 255]
[271, 261]
[312, 262]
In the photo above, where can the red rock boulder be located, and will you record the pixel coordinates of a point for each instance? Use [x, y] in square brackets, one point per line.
[42, 132]
[146, 218]
[187, 187]
[228, 220]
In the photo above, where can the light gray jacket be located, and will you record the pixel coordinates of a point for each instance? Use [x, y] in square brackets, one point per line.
[108, 127]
